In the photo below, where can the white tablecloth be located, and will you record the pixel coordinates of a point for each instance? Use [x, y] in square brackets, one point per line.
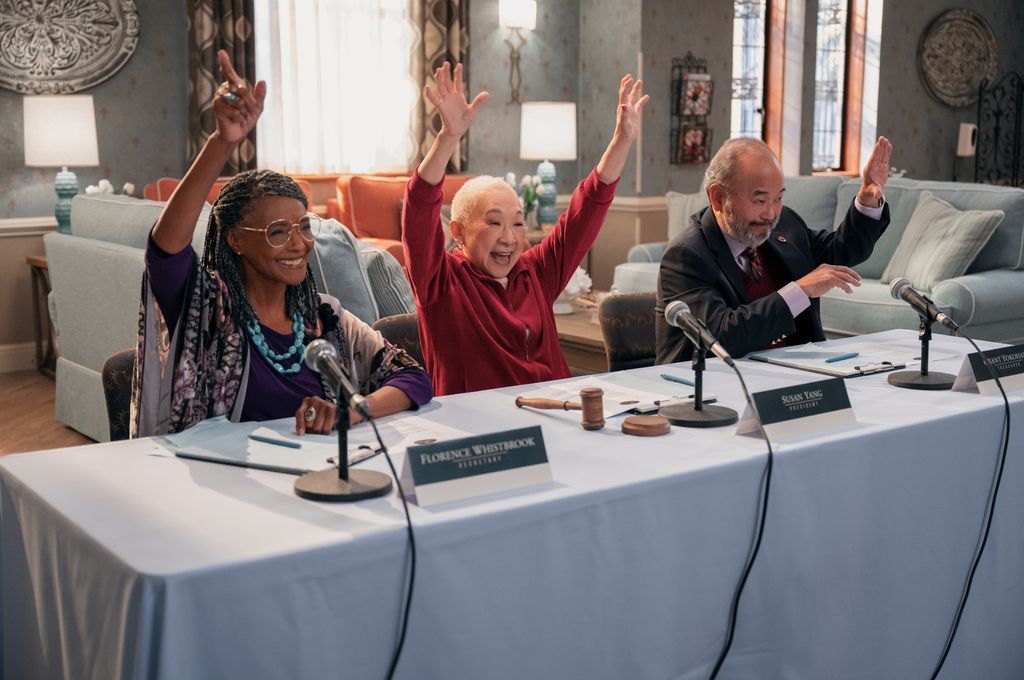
[116, 563]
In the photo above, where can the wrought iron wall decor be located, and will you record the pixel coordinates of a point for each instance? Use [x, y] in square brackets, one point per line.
[957, 52]
[63, 46]
[692, 91]
[999, 158]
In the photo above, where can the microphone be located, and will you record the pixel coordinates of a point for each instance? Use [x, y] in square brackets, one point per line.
[323, 358]
[900, 289]
[678, 314]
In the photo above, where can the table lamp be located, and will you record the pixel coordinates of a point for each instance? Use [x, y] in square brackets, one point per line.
[60, 131]
[547, 132]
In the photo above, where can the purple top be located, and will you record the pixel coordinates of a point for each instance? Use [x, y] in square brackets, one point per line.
[269, 395]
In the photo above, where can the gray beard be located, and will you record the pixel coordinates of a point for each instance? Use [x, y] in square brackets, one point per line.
[741, 233]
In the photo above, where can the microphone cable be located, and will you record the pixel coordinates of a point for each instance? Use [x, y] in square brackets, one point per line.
[989, 511]
[758, 534]
[407, 603]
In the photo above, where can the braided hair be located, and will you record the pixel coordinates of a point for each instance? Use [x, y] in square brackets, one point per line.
[227, 213]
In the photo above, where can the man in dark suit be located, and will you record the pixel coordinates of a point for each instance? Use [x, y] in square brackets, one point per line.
[750, 268]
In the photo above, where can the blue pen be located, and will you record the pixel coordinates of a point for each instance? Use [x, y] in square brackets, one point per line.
[842, 357]
[274, 440]
[672, 378]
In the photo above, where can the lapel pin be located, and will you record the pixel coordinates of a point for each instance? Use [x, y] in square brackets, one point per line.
[782, 239]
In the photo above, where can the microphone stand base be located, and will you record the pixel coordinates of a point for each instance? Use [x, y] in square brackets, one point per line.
[685, 415]
[914, 380]
[325, 485]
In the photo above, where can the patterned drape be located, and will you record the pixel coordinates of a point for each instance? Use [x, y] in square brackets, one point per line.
[443, 27]
[216, 25]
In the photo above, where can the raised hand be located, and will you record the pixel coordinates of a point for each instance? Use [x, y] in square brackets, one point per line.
[449, 98]
[236, 106]
[631, 105]
[876, 174]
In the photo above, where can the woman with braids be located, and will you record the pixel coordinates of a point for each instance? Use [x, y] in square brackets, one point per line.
[226, 336]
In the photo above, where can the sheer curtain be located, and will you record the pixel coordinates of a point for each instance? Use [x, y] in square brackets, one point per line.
[340, 93]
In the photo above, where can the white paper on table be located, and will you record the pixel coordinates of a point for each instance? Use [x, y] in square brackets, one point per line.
[813, 356]
[617, 398]
[219, 440]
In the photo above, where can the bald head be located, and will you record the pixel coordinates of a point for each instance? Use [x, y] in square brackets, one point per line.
[736, 157]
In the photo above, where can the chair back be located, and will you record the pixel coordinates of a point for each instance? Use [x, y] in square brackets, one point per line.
[117, 390]
[627, 324]
[402, 331]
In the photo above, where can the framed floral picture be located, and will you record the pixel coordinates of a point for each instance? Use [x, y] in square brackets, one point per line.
[696, 94]
[695, 142]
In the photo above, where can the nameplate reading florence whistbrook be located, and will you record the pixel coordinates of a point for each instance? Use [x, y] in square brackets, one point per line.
[1007, 362]
[471, 466]
[800, 410]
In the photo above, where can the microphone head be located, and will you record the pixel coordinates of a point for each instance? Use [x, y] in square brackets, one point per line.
[674, 310]
[316, 351]
[897, 286]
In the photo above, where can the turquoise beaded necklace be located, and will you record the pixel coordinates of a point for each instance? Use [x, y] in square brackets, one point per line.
[297, 350]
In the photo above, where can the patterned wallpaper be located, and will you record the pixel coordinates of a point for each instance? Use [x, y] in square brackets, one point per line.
[549, 65]
[924, 130]
[140, 119]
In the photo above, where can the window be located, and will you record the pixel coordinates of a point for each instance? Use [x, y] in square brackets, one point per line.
[340, 95]
[845, 83]
[748, 68]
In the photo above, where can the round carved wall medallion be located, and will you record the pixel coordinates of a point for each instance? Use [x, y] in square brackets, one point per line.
[956, 53]
[63, 46]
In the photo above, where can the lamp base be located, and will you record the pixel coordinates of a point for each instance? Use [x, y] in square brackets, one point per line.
[66, 186]
[547, 213]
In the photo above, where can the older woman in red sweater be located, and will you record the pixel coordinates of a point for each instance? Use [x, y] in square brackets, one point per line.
[484, 310]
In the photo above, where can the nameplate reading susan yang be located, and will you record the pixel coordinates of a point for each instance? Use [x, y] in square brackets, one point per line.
[456, 469]
[800, 410]
[1005, 362]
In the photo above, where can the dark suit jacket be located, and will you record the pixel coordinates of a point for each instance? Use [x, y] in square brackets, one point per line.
[699, 269]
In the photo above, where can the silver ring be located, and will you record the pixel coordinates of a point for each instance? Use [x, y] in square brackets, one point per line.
[229, 97]
[310, 414]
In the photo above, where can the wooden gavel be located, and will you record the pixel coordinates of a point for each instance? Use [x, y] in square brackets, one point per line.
[592, 406]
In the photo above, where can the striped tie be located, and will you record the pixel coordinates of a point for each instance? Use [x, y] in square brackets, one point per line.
[756, 264]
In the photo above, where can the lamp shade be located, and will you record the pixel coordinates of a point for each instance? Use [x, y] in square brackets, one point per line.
[60, 131]
[547, 131]
[517, 14]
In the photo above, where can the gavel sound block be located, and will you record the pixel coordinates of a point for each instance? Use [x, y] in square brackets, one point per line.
[591, 404]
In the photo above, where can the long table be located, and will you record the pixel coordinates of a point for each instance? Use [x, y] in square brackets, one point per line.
[116, 563]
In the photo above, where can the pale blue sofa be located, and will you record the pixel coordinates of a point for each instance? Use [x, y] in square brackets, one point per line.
[988, 301]
[96, 278]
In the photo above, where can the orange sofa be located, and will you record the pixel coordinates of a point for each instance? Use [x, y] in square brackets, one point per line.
[371, 205]
[161, 189]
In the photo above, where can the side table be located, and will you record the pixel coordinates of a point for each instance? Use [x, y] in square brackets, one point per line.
[46, 361]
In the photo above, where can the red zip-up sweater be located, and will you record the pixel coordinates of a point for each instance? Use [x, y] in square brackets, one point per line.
[475, 333]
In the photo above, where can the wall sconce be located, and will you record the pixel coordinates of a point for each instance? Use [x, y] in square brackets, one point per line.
[516, 15]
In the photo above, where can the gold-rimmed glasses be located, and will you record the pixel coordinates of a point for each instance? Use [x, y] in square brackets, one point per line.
[279, 232]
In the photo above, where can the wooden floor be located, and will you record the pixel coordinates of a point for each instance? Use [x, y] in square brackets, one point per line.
[26, 402]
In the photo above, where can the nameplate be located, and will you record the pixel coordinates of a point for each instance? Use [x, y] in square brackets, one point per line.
[456, 469]
[800, 410]
[1005, 362]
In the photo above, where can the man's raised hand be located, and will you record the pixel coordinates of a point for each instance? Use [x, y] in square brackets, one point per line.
[876, 173]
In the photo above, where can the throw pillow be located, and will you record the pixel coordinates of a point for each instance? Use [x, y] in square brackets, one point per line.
[338, 270]
[387, 279]
[680, 208]
[940, 242]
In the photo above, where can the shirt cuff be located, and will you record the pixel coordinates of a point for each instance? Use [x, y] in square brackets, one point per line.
[870, 213]
[795, 298]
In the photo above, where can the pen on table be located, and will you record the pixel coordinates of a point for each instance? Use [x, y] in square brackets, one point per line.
[842, 357]
[672, 378]
[273, 440]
